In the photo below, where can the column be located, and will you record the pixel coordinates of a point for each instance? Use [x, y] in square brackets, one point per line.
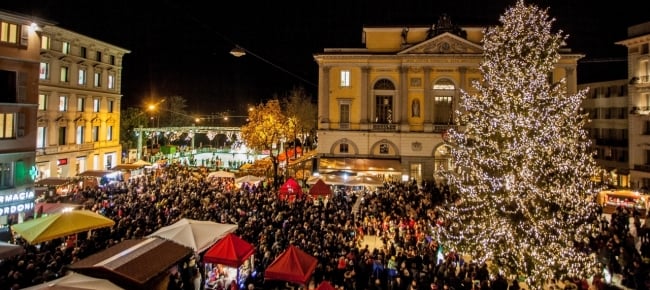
[323, 97]
[403, 99]
[571, 80]
[428, 104]
[363, 104]
[462, 85]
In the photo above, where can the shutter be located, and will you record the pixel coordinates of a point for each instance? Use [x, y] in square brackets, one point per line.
[21, 90]
[21, 125]
[24, 35]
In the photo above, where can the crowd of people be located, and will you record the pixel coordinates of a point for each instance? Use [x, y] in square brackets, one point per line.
[400, 214]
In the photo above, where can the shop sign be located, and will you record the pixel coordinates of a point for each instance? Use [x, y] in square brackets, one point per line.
[16, 202]
[62, 161]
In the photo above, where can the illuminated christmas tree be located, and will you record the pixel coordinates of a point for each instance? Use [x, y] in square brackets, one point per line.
[525, 199]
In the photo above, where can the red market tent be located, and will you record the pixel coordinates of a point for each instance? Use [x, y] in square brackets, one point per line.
[293, 265]
[325, 285]
[290, 189]
[231, 251]
[320, 188]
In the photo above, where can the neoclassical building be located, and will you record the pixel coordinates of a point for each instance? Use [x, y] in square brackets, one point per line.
[638, 63]
[78, 124]
[384, 109]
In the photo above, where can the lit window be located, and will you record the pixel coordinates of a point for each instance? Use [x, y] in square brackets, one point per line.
[65, 48]
[45, 42]
[9, 33]
[82, 76]
[95, 133]
[345, 78]
[111, 81]
[40, 137]
[63, 103]
[44, 73]
[6, 175]
[109, 133]
[64, 74]
[7, 125]
[80, 134]
[98, 79]
[42, 102]
[81, 104]
[96, 105]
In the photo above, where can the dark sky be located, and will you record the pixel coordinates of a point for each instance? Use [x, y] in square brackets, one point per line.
[182, 47]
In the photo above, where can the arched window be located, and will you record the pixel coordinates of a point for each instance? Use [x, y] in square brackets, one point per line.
[444, 91]
[384, 91]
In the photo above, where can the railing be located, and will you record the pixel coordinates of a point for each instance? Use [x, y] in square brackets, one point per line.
[642, 167]
[443, 128]
[344, 125]
[385, 127]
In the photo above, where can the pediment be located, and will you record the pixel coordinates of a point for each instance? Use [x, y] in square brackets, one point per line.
[445, 43]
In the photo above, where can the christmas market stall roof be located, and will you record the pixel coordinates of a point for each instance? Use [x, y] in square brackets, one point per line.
[231, 251]
[293, 265]
[134, 264]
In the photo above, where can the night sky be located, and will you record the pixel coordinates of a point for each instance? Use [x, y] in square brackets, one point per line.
[182, 47]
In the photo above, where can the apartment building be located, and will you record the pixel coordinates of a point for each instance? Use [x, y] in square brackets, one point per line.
[19, 59]
[638, 51]
[384, 109]
[607, 106]
[79, 96]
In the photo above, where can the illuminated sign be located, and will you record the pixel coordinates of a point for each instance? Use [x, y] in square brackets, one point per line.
[63, 161]
[16, 202]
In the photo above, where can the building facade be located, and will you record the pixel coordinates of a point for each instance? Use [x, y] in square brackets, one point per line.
[384, 109]
[19, 59]
[607, 106]
[638, 47]
[79, 98]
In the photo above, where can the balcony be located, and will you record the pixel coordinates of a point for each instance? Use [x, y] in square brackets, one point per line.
[443, 128]
[385, 127]
[642, 167]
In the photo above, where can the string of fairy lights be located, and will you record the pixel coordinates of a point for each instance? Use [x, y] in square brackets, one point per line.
[523, 166]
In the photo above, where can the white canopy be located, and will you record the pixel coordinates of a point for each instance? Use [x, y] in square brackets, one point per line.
[221, 173]
[195, 234]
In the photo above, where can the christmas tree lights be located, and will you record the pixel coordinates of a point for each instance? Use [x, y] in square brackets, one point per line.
[523, 166]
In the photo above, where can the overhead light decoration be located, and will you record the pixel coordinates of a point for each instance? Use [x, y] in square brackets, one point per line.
[238, 51]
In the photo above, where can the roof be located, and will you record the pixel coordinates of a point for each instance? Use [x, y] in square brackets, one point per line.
[134, 264]
[53, 181]
[95, 173]
[359, 164]
[127, 167]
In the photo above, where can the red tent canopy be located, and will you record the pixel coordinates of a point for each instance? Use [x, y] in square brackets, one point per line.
[293, 265]
[320, 188]
[231, 251]
[290, 187]
[325, 285]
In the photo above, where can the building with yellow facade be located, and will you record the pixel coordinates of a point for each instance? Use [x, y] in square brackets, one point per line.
[384, 109]
[78, 124]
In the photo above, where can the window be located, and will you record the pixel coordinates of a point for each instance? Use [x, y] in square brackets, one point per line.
[45, 42]
[8, 89]
[111, 81]
[83, 51]
[63, 103]
[95, 133]
[6, 175]
[383, 148]
[9, 33]
[109, 133]
[64, 74]
[40, 137]
[42, 102]
[343, 148]
[384, 109]
[344, 111]
[110, 106]
[96, 105]
[112, 60]
[345, 78]
[444, 91]
[81, 104]
[416, 171]
[98, 56]
[62, 132]
[7, 125]
[98, 79]
[65, 48]
[82, 77]
[80, 135]
[44, 72]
